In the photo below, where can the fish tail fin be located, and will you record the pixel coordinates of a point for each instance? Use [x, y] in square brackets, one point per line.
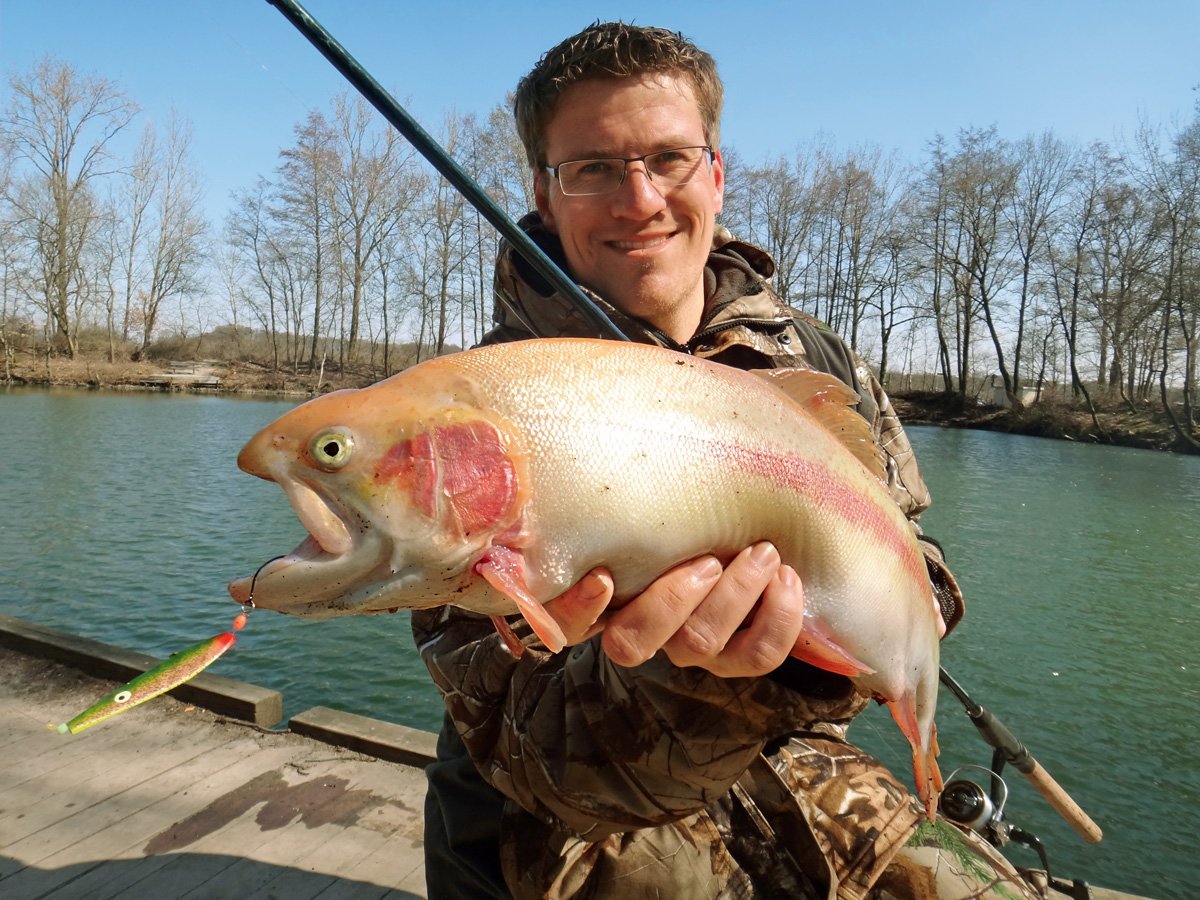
[926, 774]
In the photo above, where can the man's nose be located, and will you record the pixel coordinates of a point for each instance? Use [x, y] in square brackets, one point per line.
[638, 195]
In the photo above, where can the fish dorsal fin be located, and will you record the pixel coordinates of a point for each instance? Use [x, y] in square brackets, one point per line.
[830, 401]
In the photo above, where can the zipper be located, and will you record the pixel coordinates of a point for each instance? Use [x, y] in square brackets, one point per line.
[713, 330]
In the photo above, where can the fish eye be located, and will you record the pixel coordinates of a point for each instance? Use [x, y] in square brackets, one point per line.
[331, 450]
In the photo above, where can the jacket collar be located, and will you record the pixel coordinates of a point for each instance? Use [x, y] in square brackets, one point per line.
[737, 293]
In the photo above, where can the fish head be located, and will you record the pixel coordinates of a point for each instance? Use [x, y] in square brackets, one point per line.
[400, 486]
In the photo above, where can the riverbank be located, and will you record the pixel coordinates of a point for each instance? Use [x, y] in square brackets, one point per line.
[1145, 427]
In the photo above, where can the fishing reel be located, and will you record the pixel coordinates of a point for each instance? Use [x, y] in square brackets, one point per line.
[966, 803]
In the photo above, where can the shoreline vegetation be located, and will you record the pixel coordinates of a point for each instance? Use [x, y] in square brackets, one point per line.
[1143, 426]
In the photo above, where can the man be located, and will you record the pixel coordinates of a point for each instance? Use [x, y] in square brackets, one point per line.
[674, 749]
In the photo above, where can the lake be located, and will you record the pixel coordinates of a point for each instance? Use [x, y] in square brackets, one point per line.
[124, 515]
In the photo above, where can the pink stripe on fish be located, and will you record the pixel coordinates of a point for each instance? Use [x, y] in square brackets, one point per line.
[813, 481]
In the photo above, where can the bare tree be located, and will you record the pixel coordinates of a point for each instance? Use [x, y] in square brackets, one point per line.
[1173, 180]
[1043, 177]
[306, 204]
[174, 245]
[62, 124]
[1127, 261]
[251, 231]
[930, 225]
[499, 164]
[777, 205]
[370, 197]
[131, 212]
[1069, 259]
[982, 185]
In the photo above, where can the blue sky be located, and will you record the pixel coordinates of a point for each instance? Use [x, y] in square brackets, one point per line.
[891, 74]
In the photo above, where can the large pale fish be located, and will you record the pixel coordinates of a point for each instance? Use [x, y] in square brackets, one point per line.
[493, 479]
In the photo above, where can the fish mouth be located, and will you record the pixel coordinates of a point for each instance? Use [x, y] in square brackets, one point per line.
[324, 567]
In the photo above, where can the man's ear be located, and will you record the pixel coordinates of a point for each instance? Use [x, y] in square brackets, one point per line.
[718, 170]
[541, 196]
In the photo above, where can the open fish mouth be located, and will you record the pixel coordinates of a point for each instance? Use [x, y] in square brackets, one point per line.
[323, 517]
[321, 568]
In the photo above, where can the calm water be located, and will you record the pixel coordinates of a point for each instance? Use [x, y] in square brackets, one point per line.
[124, 516]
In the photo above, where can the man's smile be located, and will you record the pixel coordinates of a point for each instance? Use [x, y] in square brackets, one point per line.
[649, 242]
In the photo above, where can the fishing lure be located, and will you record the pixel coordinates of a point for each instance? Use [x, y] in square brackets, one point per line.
[170, 673]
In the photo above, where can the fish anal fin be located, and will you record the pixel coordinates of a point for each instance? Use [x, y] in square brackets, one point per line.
[926, 774]
[830, 401]
[504, 569]
[816, 647]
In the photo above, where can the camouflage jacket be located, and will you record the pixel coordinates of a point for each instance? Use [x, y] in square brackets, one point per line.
[565, 775]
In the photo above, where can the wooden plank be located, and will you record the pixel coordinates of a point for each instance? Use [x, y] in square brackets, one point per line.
[348, 889]
[38, 829]
[41, 750]
[175, 803]
[380, 867]
[127, 840]
[98, 751]
[329, 804]
[179, 875]
[59, 791]
[113, 799]
[384, 740]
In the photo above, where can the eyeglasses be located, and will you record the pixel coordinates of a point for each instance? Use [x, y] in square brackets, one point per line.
[665, 168]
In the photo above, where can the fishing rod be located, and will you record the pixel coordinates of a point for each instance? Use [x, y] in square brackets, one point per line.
[990, 728]
[391, 110]
[1009, 749]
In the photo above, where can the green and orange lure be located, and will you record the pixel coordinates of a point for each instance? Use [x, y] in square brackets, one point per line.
[170, 673]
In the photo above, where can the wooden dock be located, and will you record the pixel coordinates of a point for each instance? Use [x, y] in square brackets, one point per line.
[183, 376]
[172, 800]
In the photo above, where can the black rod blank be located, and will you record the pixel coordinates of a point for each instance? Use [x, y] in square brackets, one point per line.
[444, 163]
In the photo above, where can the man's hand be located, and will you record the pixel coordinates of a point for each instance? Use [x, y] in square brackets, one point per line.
[738, 620]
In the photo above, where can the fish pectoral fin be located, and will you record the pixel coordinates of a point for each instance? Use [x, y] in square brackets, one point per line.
[504, 569]
[515, 647]
[816, 647]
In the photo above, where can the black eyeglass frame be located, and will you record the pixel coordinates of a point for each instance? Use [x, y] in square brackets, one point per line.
[625, 161]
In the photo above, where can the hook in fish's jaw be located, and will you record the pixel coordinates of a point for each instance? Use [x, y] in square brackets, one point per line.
[309, 579]
[342, 543]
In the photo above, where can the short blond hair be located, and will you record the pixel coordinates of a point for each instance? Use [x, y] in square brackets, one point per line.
[613, 50]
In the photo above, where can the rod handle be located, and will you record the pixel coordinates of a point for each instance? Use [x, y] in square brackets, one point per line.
[1062, 802]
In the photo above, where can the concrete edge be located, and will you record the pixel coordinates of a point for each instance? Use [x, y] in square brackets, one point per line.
[385, 740]
[224, 696]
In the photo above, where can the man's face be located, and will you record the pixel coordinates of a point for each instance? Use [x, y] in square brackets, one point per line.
[642, 247]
